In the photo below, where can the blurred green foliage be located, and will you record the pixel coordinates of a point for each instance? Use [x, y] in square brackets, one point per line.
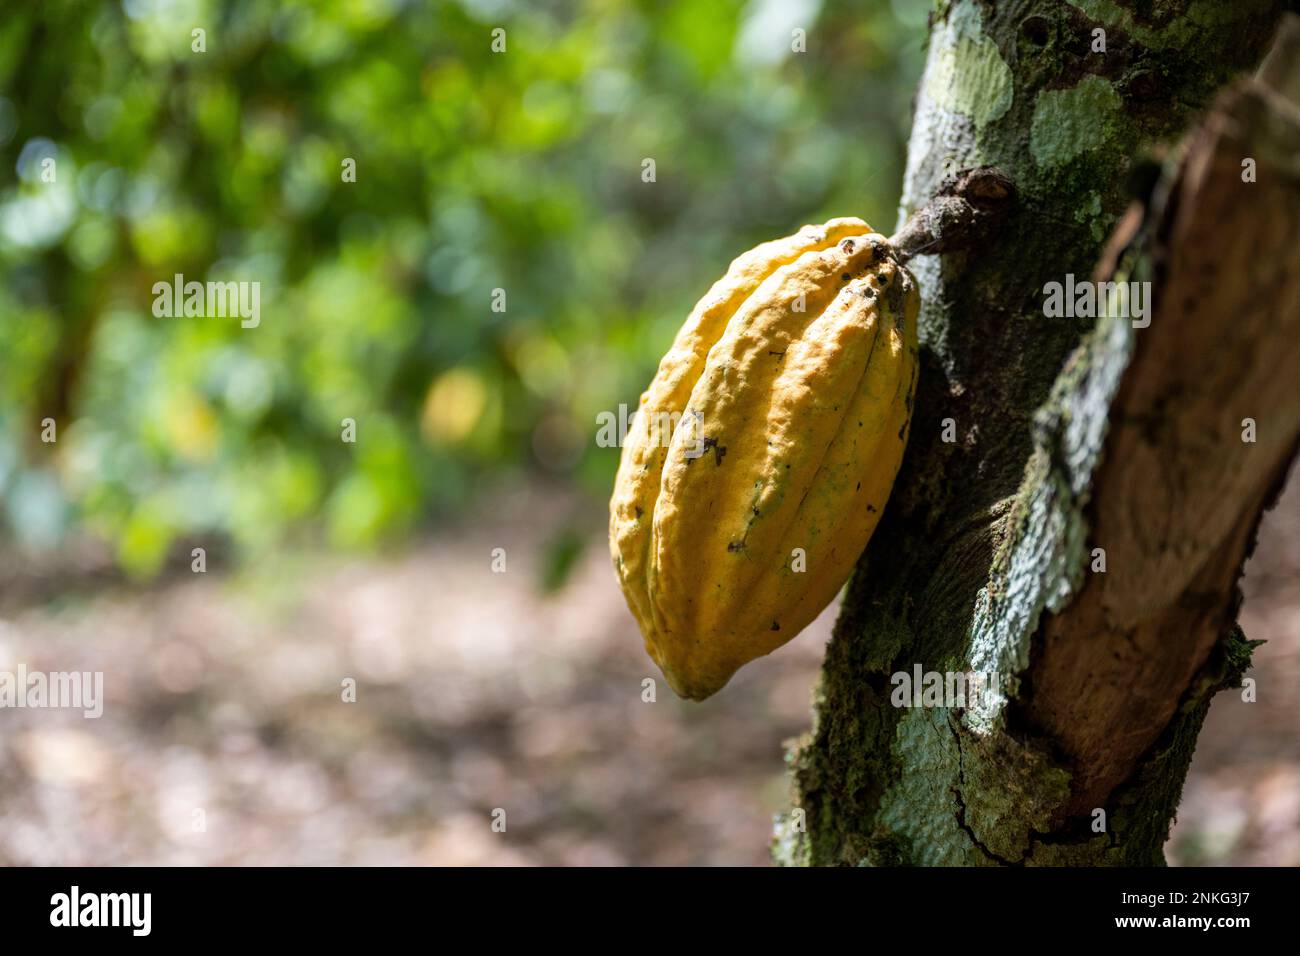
[475, 170]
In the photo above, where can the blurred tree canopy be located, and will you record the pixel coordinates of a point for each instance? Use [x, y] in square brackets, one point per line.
[476, 170]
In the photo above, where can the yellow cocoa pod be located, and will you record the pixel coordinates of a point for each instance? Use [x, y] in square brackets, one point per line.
[762, 454]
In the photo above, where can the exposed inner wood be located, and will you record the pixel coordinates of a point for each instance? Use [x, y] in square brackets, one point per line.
[1179, 493]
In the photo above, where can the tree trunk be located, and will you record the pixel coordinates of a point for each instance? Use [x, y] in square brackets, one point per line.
[1082, 536]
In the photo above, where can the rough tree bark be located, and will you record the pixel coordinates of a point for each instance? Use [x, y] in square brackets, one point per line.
[1072, 435]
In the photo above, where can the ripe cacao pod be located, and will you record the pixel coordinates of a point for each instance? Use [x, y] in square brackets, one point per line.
[776, 422]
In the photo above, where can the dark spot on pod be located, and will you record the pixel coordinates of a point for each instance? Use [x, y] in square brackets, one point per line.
[859, 487]
[846, 277]
[896, 295]
[718, 450]
[871, 508]
[735, 546]
[639, 512]
[847, 245]
[776, 626]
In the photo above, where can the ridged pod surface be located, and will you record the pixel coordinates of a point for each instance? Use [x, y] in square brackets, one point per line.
[763, 451]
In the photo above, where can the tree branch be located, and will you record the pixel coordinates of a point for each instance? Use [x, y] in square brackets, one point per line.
[967, 208]
[1035, 439]
[1178, 494]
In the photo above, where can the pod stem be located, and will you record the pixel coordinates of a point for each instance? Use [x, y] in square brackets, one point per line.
[965, 210]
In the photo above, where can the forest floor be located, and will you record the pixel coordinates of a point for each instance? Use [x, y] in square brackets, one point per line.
[225, 738]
